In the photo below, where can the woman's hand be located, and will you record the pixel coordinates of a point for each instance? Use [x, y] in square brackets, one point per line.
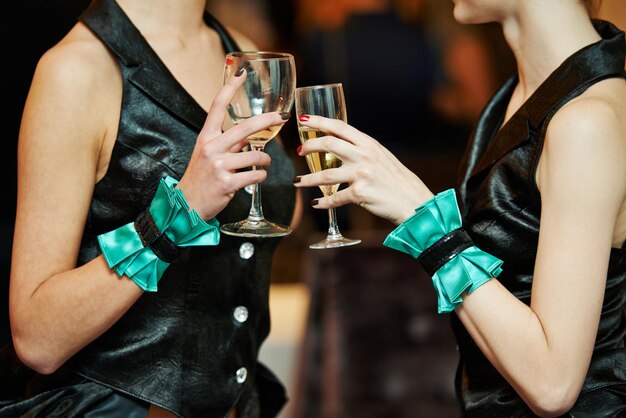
[377, 180]
[212, 177]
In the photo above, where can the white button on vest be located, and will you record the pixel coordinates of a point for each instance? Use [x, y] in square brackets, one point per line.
[246, 250]
[240, 314]
[241, 375]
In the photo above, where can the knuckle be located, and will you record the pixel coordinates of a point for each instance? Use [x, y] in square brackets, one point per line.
[216, 163]
[358, 192]
[249, 126]
[336, 123]
[261, 158]
[325, 142]
[340, 127]
[363, 173]
[219, 102]
[211, 133]
[225, 182]
[204, 137]
[325, 176]
[259, 176]
[331, 200]
[206, 152]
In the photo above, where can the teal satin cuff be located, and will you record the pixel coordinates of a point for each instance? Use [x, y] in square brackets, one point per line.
[464, 273]
[125, 253]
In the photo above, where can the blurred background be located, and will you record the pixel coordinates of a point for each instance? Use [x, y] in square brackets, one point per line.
[354, 330]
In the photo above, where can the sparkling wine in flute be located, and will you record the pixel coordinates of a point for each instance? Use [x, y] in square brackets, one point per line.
[318, 161]
[325, 100]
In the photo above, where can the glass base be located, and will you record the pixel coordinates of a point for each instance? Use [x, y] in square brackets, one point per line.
[334, 242]
[255, 229]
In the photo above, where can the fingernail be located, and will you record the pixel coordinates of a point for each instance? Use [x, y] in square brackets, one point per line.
[297, 179]
[239, 72]
[284, 115]
[299, 149]
[303, 118]
[314, 202]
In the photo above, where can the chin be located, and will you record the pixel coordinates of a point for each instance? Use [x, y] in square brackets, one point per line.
[462, 13]
[472, 11]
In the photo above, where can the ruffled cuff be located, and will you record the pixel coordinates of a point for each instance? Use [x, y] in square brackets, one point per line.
[465, 271]
[126, 254]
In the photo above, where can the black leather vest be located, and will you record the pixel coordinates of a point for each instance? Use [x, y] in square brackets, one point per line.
[501, 209]
[181, 347]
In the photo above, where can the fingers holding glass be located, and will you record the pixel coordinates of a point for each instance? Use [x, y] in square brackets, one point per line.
[217, 113]
[269, 86]
[235, 138]
[334, 127]
[327, 101]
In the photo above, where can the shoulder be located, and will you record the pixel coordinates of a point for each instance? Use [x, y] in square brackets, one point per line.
[586, 140]
[78, 63]
[73, 94]
[594, 122]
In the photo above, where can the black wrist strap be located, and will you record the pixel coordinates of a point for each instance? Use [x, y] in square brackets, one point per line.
[444, 250]
[162, 246]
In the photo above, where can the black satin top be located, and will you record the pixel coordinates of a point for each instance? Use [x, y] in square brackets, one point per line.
[501, 210]
[181, 347]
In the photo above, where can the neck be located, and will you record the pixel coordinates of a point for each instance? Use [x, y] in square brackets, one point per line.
[542, 34]
[157, 18]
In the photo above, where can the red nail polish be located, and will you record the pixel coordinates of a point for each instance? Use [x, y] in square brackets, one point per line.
[314, 202]
[299, 149]
[303, 118]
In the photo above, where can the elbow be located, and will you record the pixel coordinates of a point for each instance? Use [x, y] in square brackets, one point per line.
[552, 400]
[35, 357]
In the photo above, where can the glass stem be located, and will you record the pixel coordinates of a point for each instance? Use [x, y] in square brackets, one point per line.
[256, 210]
[333, 228]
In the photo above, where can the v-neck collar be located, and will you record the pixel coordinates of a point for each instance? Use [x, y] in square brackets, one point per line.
[146, 69]
[597, 61]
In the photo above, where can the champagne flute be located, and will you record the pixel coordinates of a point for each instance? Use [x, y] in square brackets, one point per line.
[269, 87]
[323, 100]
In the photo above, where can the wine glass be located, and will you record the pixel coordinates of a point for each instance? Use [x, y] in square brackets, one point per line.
[323, 100]
[269, 87]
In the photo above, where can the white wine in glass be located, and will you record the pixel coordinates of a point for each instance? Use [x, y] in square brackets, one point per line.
[323, 100]
[269, 87]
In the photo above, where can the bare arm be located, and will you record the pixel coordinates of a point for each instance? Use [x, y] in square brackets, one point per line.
[56, 308]
[543, 350]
